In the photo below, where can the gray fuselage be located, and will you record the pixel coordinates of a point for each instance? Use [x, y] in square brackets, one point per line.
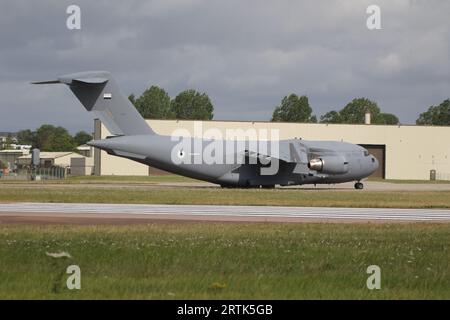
[159, 151]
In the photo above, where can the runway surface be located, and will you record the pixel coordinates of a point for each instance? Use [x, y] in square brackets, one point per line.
[122, 213]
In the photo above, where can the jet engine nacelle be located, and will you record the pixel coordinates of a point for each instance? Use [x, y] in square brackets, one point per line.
[329, 164]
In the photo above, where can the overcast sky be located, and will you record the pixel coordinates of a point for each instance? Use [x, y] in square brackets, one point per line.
[245, 54]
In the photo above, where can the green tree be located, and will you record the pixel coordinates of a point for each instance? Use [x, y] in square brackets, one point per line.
[26, 137]
[154, 103]
[436, 115]
[354, 112]
[387, 118]
[132, 99]
[192, 105]
[3, 165]
[294, 109]
[81, 138]
[51, 138]
[331, 117]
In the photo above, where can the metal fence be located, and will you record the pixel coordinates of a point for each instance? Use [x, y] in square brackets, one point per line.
[14, 176]
[52, 173]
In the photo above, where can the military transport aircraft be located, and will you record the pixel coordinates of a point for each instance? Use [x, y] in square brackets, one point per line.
[247, 163]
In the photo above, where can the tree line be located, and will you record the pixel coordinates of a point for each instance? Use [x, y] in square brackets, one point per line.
[297, 109]
[52, 138]
[155, 103]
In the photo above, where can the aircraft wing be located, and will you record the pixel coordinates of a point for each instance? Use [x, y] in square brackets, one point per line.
[289, 151]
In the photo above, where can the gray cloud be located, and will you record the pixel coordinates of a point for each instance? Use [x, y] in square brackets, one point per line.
[245, 54]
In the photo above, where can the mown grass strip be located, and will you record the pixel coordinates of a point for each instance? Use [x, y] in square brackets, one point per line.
[227, 261]
[217, 196]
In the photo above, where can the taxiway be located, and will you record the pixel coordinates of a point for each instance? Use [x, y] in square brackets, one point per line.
[123, 213]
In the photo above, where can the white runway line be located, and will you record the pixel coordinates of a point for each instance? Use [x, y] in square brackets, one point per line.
[231, 211]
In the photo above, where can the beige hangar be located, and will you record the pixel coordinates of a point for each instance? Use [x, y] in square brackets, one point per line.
[404, 151]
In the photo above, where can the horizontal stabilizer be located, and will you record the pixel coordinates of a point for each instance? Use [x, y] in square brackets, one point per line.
[46, 82]
[93, 80]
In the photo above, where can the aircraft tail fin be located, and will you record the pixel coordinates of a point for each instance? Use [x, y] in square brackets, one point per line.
[98, 92]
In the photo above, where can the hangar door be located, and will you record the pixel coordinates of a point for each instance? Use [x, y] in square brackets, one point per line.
[379, 152]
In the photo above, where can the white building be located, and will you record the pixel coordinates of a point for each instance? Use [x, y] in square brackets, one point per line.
[76, 164]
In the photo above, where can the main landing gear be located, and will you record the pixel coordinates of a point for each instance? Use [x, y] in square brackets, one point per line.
[359, 185]
[229, 186]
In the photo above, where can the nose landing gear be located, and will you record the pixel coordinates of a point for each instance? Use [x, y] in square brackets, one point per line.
[359, 185]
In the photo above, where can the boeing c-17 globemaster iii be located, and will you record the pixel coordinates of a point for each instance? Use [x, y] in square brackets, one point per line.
[246, 164]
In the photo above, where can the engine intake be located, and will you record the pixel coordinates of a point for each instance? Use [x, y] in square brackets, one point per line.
[316, 164]
[329, 164]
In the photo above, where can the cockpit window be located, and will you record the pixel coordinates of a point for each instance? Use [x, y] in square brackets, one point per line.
[366, 153]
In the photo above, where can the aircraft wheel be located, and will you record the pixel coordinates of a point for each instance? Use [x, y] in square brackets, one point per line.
[359, 186]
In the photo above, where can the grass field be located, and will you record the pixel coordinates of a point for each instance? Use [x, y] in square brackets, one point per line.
[223, 261]
[178, 178]
[107, 179]
[128, 179]
[217, 196]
